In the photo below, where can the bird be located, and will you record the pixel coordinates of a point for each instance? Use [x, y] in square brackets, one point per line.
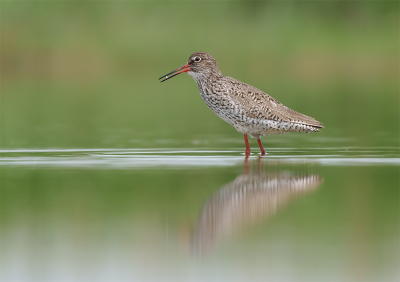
[251, 111]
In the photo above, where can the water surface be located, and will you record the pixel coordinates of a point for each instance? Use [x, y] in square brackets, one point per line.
[205, 214]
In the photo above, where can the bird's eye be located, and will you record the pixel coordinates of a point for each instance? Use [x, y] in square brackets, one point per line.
[197, 59]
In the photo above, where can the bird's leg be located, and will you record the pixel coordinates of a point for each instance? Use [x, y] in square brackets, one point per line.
[247, 145]
[261, 147]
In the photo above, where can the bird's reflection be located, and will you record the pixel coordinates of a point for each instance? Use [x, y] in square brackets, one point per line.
[252, 197]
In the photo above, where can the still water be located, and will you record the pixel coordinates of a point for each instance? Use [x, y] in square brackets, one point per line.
[182, 214]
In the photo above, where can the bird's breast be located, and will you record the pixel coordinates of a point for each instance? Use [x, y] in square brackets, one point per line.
[222, 105]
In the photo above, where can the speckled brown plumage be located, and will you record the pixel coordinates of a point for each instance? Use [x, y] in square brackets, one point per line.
[250, 110]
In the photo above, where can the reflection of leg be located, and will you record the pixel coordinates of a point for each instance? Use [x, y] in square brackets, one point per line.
[259, 165]
[247, 145]
[246, 164]
[261, 147]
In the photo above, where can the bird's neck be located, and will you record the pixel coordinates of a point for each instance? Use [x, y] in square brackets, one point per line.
[204, 78]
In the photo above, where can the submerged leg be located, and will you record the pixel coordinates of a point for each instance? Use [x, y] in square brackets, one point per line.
[261, 147]
[246, 141]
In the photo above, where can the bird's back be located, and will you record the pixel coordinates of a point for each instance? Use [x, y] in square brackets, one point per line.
[258, 104]
[251, 111]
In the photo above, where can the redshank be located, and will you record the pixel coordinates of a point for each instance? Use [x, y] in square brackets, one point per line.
[250, 110]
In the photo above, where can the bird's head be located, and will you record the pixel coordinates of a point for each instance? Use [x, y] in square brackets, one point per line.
[200, 64]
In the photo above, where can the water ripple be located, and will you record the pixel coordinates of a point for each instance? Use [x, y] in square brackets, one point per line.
[189, 158]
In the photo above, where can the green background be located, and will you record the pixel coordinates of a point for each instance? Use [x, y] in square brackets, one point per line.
[83, 74]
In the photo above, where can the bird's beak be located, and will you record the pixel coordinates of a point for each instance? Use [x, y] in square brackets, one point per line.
[182, 69]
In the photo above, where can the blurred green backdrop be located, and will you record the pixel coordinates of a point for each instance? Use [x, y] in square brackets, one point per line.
[84, 73]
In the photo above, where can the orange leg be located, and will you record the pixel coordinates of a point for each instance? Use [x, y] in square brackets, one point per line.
[261, 147]
[247, 145]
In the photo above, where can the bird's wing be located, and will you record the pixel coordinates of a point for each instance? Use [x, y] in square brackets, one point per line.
[258, 104]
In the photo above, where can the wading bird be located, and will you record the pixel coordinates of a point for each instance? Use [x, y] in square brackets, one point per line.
[250, 110]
